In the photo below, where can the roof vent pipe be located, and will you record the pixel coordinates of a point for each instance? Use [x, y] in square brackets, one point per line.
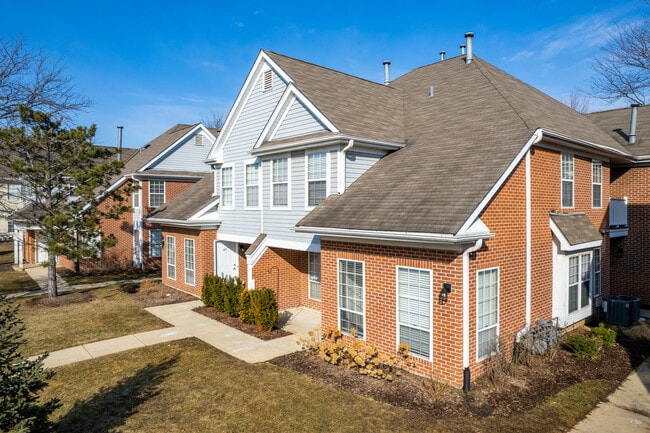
[442, 55]
[119, 142]
[386, 72]
[468, 42]
[462, 50]
[632, 136]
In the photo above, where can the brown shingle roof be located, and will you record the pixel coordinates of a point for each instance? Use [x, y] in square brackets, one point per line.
[187, 203]
[616, 123]
[460, 142]
[576, 228]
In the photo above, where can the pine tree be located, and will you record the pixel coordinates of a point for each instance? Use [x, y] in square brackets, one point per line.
[21, 380]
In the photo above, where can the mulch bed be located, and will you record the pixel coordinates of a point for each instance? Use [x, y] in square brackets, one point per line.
[234, 322]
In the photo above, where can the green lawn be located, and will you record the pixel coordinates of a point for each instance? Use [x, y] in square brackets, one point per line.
[113, 313]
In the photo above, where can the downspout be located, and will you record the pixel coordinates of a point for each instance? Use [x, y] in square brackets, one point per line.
[529, 238]
[466, 373]
[342, 168]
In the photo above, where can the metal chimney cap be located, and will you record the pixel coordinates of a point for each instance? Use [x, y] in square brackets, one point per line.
[635, 104]
[469, 34]
[386, 62]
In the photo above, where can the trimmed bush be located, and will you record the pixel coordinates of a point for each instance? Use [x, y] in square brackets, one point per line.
[218, 294]
[231, 290]
[208, 292]
[607, 336]
[245, 310]
[264, 307]
[583, 346]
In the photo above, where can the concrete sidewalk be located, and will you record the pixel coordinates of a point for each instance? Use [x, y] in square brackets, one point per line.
[187, 323]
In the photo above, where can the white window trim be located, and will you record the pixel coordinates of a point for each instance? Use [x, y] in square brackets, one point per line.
[288, 205]
[572, 180]
[259, 184]
[594, 272]
[594, 164]
[497, 326]
[185, 261]
[338, 297]
[580, 307]
[16, 196]
[171, 240]
[232, 185]
[397, 322]
[151, 243]
[137, 195]
[328, 170]
[309, 255]
[164, 192]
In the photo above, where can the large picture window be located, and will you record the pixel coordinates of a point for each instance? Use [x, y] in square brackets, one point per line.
[567, 180]
[280, 182]
[351, 298]
[189, 261]
[414, 310]
[171, 257]
[156, 193]
[316, 178]
[487, 312]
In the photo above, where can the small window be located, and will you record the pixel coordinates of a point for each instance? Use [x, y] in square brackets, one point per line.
[10, 226]
[597, 183]
[226, 187]
[155, 243]
[280, 182]
[171, 257]
[567, 180]
[156, 193]
[189, 261]
[252, 185]
[14, 192]
[198, 140]
[268, 80]
[316, 178]
[314, 276]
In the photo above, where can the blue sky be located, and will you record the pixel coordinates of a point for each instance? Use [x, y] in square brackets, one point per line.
[148, 65]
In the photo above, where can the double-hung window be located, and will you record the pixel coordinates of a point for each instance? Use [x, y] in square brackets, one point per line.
[227, 187]
[596, 183]
[351, 298]
[567, 180]
[314, 276]
[14, 191]
[189, 261]
[136, 194]
[414, 310]
[280, 182]
[171, 257]
[597, 277]
[316, 178]
[579, 278]
[252, 180]
[487, 312]
[156, 193]
[155, 243]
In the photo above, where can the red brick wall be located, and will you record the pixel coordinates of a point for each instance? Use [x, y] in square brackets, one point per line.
[630, 258]
[203, 257]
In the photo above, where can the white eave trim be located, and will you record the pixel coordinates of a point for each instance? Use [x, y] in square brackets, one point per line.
[202, 224]
[173, 145]
[328, 140]
[602, 150]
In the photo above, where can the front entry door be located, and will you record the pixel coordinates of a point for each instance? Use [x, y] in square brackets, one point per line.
[227, 259]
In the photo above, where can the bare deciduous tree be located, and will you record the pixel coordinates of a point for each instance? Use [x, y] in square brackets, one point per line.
[28, 77]
[623, 72]
[214, 121]
[578, 101]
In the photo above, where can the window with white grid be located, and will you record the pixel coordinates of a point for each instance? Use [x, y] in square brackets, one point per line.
[314, 276]
[189, 261]
[280, 182]
[351, 298]
[579, 278]
[487, 312]
[156, 193]
[227, 198]
[567, 180]
[316, 178]
[171, 257]
[414, 310]
[252, 180]
[596, 183]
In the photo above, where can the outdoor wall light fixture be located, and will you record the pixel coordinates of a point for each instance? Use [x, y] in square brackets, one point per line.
[444, 293]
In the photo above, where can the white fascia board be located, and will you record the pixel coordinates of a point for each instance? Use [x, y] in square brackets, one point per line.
[598, 148]
[566, 246]
[261, 61]
[535, 138]
[203, 225]
[169, 148]
[201, 212]
[410, 237]
[312, 246]
[340, 139]
[240, 239]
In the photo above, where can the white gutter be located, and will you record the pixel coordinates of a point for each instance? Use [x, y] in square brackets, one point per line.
[326, 140]
[342, 166]
[604, 149]
[466, 253]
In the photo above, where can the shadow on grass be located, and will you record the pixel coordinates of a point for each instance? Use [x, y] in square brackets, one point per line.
[111, 407]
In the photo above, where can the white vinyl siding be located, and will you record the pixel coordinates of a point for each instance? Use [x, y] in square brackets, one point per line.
[579, 277]
[487, 312]
[597, 183]
[156, 193]
[567, 180]
[414, 310]
[171, 257]
[155, 243]
[252, 182]
[351, 298]
[314, 276]
[227, 196]
[280, 182]
[189, 262]
[316, 178]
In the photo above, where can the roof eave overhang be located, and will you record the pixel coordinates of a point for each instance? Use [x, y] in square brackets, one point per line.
[576, 143]
[203, 225]
[439, 240]
[145, 175]
[325, 141]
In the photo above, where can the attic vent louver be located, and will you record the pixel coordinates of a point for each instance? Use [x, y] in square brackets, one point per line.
[198, 140]
[268, 80]
[431, 92]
